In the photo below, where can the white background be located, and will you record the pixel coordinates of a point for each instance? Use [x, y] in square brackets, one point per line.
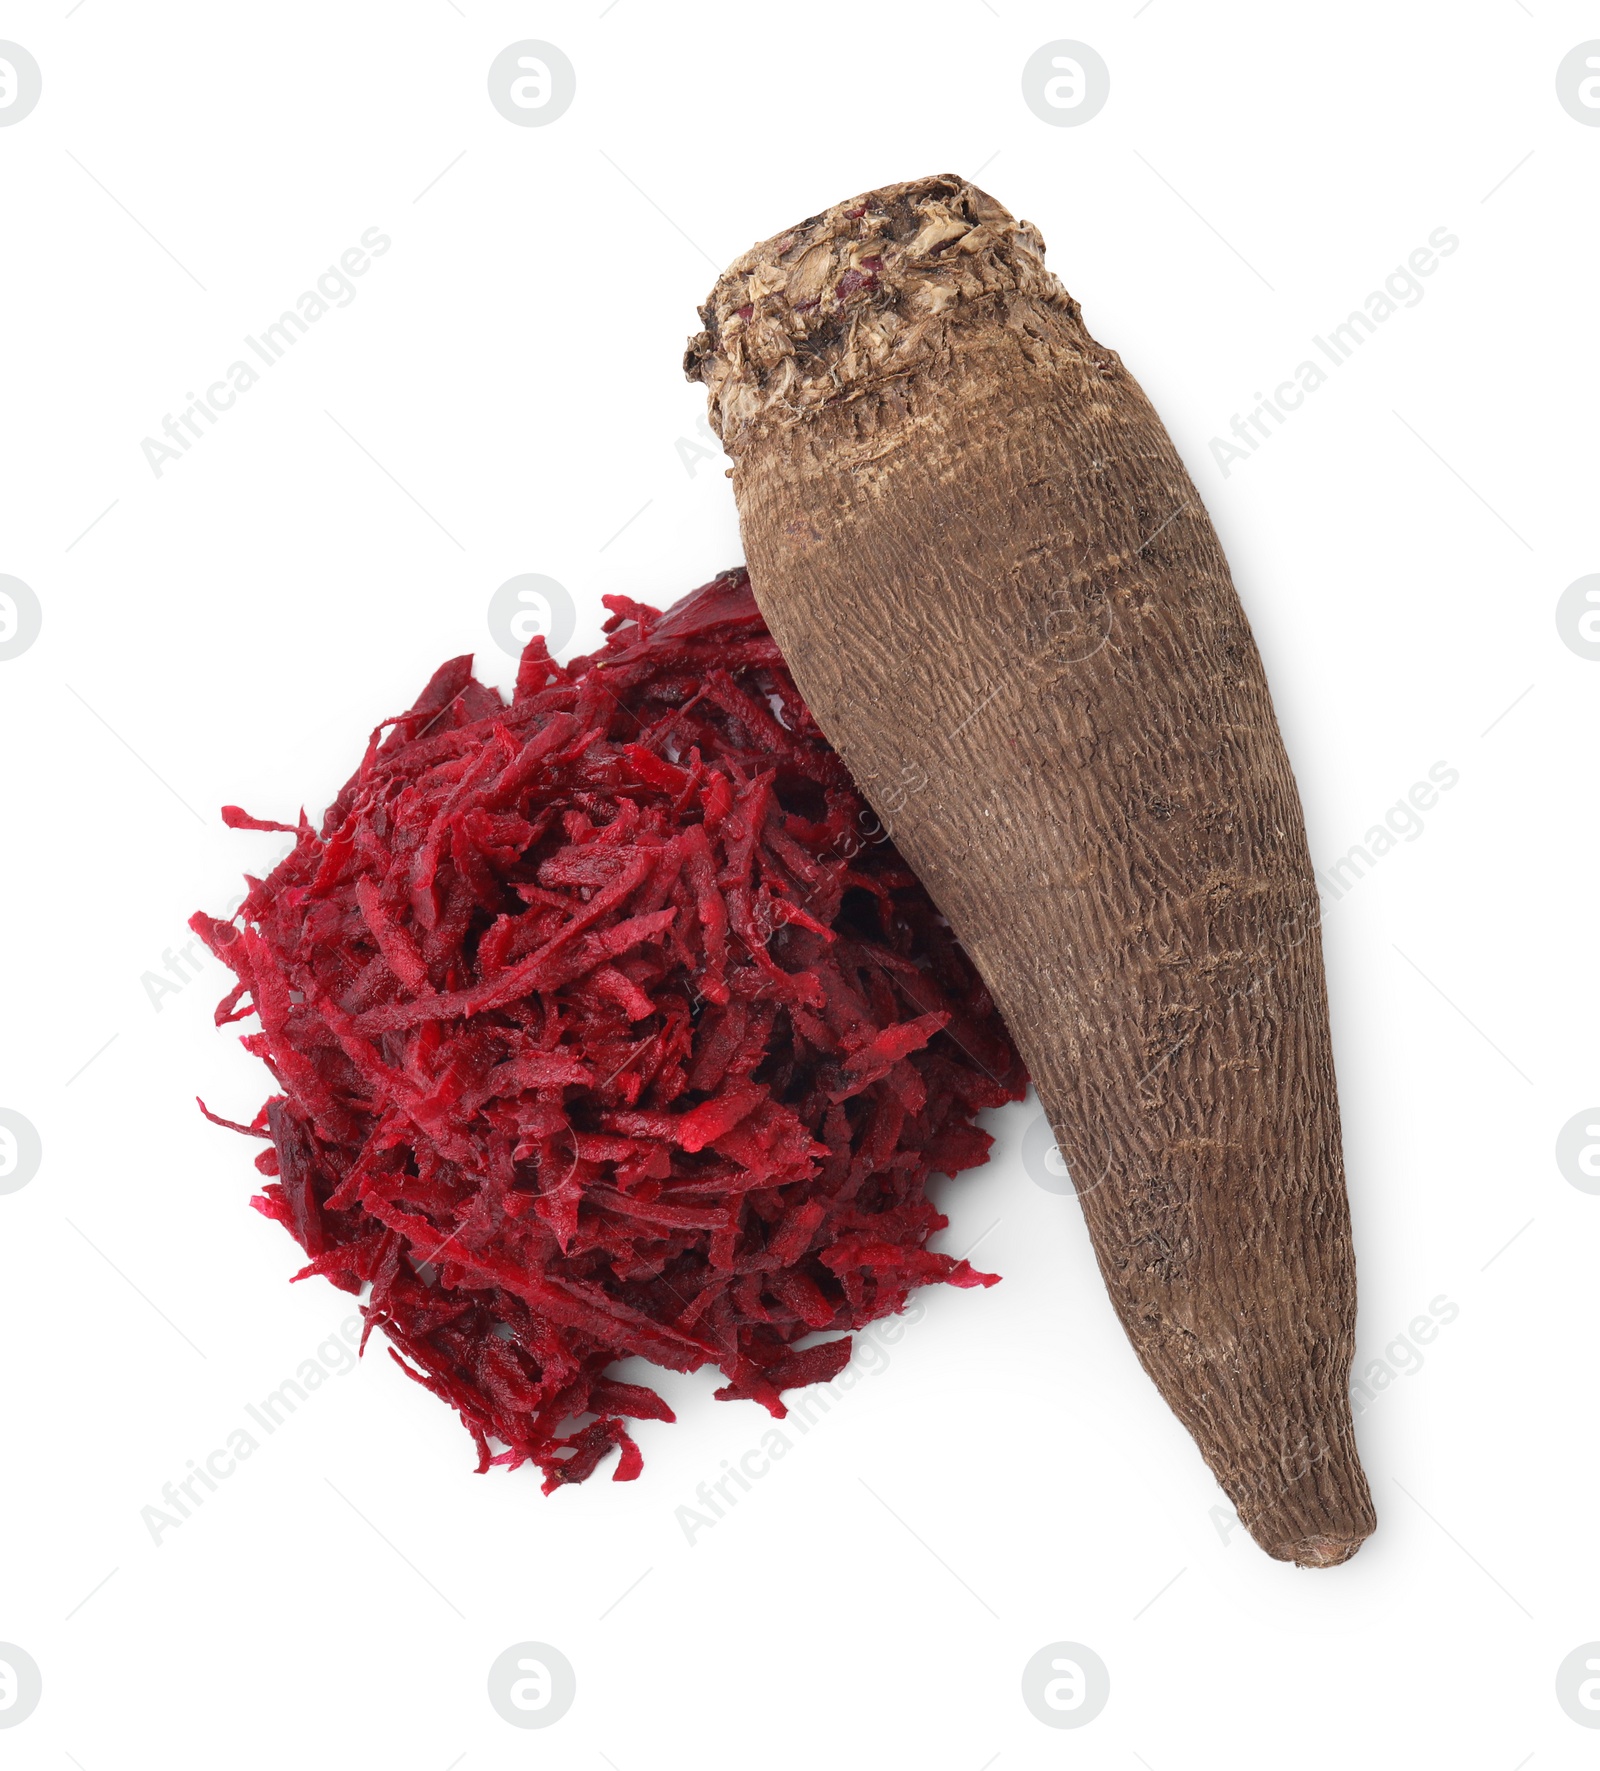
[231, 630]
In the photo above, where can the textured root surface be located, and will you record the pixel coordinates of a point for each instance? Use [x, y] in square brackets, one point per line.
[1003, 600]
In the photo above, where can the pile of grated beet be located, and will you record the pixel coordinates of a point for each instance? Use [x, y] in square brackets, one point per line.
[610, 1023]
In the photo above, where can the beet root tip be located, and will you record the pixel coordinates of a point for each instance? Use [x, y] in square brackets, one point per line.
[1318, 1552]
[1319, 1522]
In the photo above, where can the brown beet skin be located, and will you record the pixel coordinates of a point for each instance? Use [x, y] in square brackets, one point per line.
[1000, 594]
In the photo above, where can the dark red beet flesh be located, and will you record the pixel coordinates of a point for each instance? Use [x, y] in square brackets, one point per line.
[611, 1023]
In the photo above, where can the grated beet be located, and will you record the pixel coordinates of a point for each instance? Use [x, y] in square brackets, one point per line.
[610, 1023]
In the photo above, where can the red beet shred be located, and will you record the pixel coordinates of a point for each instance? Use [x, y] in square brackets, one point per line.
[610, 1023]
